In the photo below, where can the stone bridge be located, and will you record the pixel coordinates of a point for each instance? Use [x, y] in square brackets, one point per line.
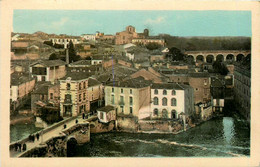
[53, 139]
[222, 55]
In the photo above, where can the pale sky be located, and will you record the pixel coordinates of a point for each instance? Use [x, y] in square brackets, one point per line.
[177, 23]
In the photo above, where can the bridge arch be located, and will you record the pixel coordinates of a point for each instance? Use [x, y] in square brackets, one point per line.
[190, 58]
[71, 145]
[209, 58]
[220, 57]
[240, 57]
[199, 58]
[230, 57]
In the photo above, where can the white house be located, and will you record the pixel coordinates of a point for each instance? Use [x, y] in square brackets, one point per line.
[48, 70]
[106, 114]
[89, 37]
[169, 100]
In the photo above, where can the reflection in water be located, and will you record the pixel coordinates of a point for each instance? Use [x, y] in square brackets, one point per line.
[20, 131]
[218, 137]
[228, 124]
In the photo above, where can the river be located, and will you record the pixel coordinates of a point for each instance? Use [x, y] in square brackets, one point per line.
[21, 131]
[218, 137]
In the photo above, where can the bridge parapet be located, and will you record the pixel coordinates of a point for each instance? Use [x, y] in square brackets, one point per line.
[54, 138]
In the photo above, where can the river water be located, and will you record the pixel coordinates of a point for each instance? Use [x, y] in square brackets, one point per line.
[21, 131]
[221, 137]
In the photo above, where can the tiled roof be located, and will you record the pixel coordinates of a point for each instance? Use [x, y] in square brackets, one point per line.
[42, 88]
[49, 63]
[106, 108]
[81, 62]
[167, 86]
[77, 75]
[93, 82]
[132, 83]
[17, 78]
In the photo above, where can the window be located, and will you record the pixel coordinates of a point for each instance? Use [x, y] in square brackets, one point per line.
[164, 92]
[156, 92]
[84, 85]
[122, 100]
[155, 101]
[122, 108]
[131, 100]
[67, 98]
[51, 96]
[79, 86]
[173, 102]
[164, 101]
[173, 92]
[84, 96]
[122, 91]
[155, 112]
[80, 97]
[131, 110]
[205, 91]
[68, 86]
[131, 91]
[101, 115]
[113, 99]
[164, 114]
[173, 114]
[112, 89]
[42, 97]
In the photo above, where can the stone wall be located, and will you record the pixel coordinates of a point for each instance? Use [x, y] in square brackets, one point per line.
[160, 126]
[127, 124]
[98, 127]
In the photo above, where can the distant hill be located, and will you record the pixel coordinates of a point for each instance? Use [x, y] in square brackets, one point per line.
[207, 43]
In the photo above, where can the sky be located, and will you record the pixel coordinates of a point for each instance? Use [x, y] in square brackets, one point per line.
[176, 23]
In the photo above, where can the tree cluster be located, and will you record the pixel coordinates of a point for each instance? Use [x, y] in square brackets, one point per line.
[175, 54]
[208, 43]
[219, 67]
[153, 46]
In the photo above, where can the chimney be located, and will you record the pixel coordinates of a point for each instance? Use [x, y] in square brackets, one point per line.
[67, 56]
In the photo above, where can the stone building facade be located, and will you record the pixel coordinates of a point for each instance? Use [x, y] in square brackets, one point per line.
[169, 100]
[242, 90]
[130, 98]
[48, 70]
[126, 36]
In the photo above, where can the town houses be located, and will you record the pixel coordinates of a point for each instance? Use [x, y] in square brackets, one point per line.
[130, 79]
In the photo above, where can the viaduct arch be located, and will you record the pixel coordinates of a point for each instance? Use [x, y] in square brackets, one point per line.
[221, 55]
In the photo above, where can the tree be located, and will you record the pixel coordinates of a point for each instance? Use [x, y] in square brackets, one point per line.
[175, 54]
[153, 46]
[219, 67]
[72, 53]
[53, 56]
[88, 58]
[48, 43]
[58, 46]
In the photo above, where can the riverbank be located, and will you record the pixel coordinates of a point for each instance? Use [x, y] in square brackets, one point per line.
[22, 119]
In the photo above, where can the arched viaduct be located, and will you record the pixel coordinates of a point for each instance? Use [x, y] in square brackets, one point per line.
[222, 55]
